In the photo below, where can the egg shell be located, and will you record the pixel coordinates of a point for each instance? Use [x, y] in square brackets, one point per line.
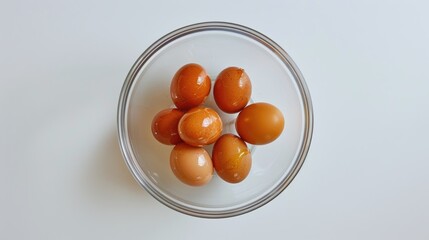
[260, 123]
[232, 159]
[190, 86]
[165, 126]
[191, 165]
[232, 89]
[200, 126]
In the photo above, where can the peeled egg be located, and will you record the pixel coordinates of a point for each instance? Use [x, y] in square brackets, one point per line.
[190, 86]
[191, 165]
[232, 159]
[200, 126]
[165, 126]
[232, 89]
[260, 123]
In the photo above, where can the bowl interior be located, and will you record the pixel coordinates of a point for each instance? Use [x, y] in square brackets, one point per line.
[272, 82]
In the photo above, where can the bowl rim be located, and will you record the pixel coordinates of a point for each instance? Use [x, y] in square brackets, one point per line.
[201, 27]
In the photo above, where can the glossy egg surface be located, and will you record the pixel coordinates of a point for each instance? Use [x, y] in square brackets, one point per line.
[260, 123]
[232, 159]
[232, 89]
[190, 86]
[165, 126]
[191, 165]
[200, 126]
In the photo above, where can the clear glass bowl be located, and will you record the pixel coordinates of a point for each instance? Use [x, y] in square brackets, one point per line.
[275, 79]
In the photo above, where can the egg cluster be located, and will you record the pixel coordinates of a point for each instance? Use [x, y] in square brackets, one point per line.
[191, 125]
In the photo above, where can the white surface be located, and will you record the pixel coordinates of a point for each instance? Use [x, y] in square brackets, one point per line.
[62, 67]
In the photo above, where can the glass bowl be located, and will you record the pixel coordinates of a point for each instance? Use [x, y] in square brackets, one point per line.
[275, 79]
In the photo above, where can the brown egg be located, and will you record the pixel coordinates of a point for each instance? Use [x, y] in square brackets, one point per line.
[190, 86]
[200, 126]
[191, 165]
[260, 123]
[165, 126]
[232, 89]
[231, 158]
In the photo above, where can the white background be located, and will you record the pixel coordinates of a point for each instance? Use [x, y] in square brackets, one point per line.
[62, 65]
